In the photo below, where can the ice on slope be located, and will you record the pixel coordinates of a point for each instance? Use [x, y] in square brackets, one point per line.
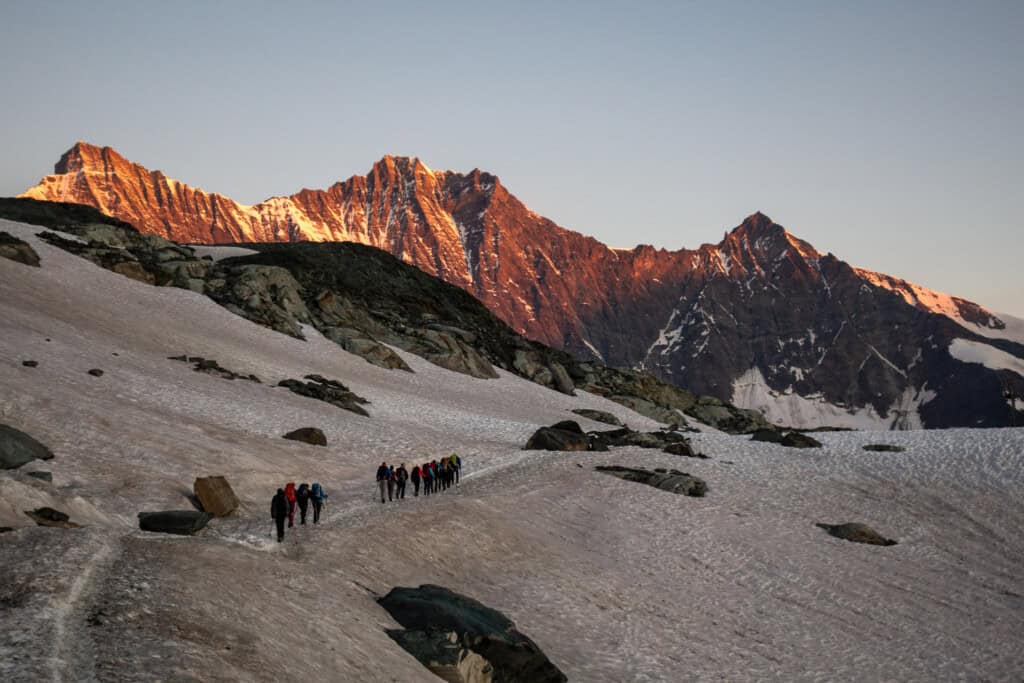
[976, 352]
[613, 580]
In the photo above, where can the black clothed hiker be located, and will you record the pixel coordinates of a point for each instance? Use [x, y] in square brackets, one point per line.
[391, 481]
[382, 477]
[415, 476]
[302, 498]
[279, 511]
[401, 475]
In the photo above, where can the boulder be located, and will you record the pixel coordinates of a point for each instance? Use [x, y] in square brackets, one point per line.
[856, 533]
[684, 449]
[17, 250]
[444, 655]
[310, 435]
[884, 448]
[18, 448]
[30, 363]
[370, 350]
[792, 439]
[798, 440]
[46, 516]
[43, 476]
[568, 426]
[215, 495]
[551, 439]
[672, 481]
[513, 657]
[650, 409]
[327, 390]
[96, 372]
[181, 522]
[599, 416]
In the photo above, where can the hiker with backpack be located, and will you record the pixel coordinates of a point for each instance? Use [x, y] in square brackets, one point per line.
[289, 494]
[391, 482]
[401, 476]
[279, 512]
[415, 476]
[382, 477]
[456, 467]
[317, 496]
[302, 498]
[428, 481]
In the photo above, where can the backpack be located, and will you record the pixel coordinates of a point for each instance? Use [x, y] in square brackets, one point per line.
[317, 493]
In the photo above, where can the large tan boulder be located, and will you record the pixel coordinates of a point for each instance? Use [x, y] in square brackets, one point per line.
[215, 495]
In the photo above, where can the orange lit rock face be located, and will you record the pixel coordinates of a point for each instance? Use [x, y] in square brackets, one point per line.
[760, 313]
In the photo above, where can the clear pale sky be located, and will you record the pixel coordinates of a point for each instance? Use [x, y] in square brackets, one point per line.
[889, 133]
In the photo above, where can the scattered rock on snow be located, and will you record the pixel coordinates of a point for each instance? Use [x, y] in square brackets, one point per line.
[18, 250]
[672, 481]
[47, 516]
[327, 390]
[792, 439]
[30, 363]
[683, 448]
[44, 476]
[215, 495]
[310, 435]
[18, 448]
[857, 533]
[181, 522]
[599, 416]
[884, 448]
[489, 633]
[96, 372]
[212, 367]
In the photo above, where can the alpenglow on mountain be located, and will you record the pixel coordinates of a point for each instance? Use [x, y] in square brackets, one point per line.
[761, 319]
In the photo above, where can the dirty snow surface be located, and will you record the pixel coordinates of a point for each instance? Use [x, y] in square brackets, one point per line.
[615, 581]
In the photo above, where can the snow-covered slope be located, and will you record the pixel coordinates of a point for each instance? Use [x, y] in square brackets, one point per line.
[615, 581]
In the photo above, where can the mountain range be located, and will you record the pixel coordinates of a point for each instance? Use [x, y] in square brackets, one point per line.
[760, 319]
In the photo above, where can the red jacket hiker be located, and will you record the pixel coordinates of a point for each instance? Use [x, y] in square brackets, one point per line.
[289, 493]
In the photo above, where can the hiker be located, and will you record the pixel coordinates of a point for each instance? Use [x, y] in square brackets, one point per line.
[382, 477]
[401, 475]
[391, 482]
[317, 496]
[279, 512]
[428, 481]
[302, 498]
[289, 493]
[436, 475]
[415, 476]
[456, 467]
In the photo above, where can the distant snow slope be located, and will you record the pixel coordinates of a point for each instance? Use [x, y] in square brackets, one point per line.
[615, 581]
[989, 356]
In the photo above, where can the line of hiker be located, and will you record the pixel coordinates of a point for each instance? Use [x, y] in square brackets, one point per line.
[434, 476]
[283, 505]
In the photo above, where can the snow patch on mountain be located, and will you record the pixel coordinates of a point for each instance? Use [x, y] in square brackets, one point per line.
[788, 408]
[969, 351]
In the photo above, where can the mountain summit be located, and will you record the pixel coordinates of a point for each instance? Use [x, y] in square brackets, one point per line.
[761, 319]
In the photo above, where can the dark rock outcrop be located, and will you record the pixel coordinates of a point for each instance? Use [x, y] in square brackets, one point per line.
[552, 439]
[311, 435]
[329, 391]
[513, 657]
[40, 475]
[684, 449]
[215, 495]
[47, 516]
[599, 416]
[17, 250]
[18, 448]
[856, 533]
[209, 366]
[884, 448]
[672, 481]
[180, 522]
[791, 439]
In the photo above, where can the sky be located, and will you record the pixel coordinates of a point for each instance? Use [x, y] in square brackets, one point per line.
[889, 134]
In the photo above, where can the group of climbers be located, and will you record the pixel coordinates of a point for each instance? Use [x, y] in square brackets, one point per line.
[435, 477]
[283, 505]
